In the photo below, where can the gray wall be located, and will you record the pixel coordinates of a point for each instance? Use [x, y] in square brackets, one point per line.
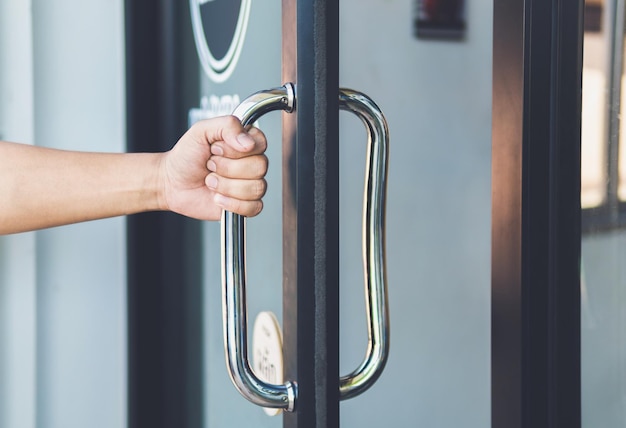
[62, 291]
[17, 270]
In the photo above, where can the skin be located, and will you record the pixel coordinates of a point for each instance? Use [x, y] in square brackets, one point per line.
[216, 165]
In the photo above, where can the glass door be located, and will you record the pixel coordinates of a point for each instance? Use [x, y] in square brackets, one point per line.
[483, 220]
[438, 212]
[482, 255]
[432, 79]
[245, 37]
[603, 320]
[294, 279]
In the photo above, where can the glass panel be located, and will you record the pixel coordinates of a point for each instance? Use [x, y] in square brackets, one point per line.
[603, 330]
[226, 80]
[603, 272]
[436, 94]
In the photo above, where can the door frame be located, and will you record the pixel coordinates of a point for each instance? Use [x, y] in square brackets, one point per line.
[311, 211]
[536, 215]
[164, 250]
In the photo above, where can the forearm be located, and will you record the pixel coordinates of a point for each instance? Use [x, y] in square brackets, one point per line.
[42, 187]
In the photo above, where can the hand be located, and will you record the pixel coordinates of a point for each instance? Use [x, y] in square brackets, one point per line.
[216, 165]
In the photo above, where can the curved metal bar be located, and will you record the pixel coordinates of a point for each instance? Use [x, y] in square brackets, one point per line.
[234, 276]
[373, 244]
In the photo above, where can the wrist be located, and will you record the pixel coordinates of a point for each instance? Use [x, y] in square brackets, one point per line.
[159, 182]
[145, 172]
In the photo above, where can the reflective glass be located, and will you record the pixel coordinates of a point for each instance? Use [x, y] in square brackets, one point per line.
[603, 271]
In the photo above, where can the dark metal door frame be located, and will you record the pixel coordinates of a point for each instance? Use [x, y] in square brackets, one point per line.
[537, 72]
[311, 211]
[164, 257]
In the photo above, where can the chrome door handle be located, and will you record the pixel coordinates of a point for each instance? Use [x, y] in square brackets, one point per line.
[234, 276]
[234, 269]
[374, 268]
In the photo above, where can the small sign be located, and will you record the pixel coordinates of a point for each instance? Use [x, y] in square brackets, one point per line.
[439, 19]
[267, 346]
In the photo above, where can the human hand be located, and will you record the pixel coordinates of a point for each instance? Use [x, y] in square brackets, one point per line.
[216, 165]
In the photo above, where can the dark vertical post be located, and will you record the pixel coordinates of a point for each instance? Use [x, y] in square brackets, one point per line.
[311, 211]
[537, 73]
[163, 250]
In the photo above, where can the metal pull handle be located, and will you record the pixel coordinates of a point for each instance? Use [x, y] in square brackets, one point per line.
[234, 276]
[373, 244]
[234, 269]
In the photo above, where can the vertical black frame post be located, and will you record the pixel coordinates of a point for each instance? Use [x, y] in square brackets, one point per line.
[537, 73]
[163, 249]
[311, 211]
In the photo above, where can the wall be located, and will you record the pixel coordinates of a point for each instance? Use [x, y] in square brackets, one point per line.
[62, 291]
[17, 276]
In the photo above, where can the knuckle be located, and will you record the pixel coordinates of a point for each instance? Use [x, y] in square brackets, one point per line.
[232, 121]
[260, 188]
[234, 205]
[223, 166]
[259, 138]
[255, 209]
[262, 166]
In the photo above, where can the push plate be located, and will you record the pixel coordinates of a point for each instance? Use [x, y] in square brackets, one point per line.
[267, 345]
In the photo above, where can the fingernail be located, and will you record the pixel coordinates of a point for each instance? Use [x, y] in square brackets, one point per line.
[211, 165]
[217, 150]
[245, 140]
[211, 181]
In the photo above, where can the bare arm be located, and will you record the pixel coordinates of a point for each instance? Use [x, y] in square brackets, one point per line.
[215, 165]
[43, 187]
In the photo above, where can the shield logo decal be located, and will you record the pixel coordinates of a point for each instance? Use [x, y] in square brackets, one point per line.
[219, 28]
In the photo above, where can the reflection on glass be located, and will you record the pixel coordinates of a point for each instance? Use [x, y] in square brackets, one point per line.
[603, 187]
[592, 135]
[622, 142]
[594, 121]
